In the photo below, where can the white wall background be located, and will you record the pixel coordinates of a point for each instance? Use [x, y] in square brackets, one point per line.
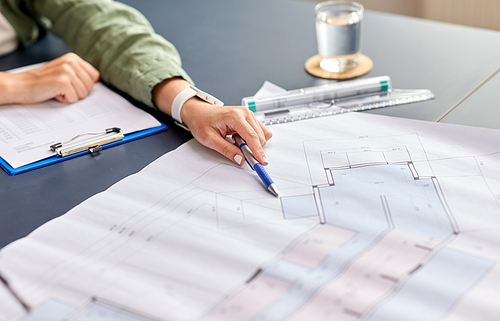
[476, 13]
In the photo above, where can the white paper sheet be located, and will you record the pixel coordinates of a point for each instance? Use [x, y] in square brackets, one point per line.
[269, 89]
[10, 308]
[378, 218]
[26, 132]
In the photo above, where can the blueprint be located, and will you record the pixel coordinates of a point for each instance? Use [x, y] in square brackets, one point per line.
[378, 218]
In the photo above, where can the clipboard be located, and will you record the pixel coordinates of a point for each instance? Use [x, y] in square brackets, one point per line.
[56, 159]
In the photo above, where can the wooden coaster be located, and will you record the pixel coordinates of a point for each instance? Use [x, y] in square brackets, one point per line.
[365, 64]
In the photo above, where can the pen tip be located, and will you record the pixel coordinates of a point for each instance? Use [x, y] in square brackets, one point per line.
[273, 189]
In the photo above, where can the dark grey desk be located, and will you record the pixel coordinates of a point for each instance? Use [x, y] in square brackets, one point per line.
[482, 109]
[230, 47]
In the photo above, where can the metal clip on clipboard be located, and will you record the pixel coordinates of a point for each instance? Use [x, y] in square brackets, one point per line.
[92, 146]
[337, 98]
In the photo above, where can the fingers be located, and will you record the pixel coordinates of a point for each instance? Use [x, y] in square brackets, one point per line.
[82, 80]
[67, 93]
[263, 133]
[221, 145]
[251, 137]
[211, 124]
[267, 133]
[67, 79]
[80, 74]
[256, 126]
[91, 71]
[254, 133]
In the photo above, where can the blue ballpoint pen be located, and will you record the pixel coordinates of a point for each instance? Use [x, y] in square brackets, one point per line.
[256, 166]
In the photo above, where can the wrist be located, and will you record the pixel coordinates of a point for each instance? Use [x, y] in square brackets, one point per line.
[177, 98]
[193, 106]
[186, 97]
[165, 92]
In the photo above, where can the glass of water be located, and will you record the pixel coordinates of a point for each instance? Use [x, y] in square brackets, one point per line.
[338, 26]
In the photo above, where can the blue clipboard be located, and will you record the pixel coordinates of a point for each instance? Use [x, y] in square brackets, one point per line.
[56, 159]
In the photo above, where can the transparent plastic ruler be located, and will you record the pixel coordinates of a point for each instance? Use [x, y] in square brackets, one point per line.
[339, 106]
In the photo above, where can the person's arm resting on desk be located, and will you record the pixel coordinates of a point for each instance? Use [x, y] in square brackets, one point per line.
[122, 45]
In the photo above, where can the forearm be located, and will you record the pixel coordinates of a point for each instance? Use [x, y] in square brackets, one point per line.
[117, 40]
[165, 92]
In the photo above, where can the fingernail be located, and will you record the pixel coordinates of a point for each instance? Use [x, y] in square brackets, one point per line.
[265, 159]
[238, 159]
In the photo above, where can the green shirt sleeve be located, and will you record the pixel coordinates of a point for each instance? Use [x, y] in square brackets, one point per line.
[113, 37]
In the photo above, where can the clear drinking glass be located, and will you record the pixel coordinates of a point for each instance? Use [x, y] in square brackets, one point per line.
[338, 26]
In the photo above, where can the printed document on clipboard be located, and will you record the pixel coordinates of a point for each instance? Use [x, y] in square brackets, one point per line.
[274, 105]
[28, 132]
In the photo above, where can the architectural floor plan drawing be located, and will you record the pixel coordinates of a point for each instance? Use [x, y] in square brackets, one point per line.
[378, 218]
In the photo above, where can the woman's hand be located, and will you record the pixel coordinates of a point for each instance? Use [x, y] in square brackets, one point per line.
[210, 124]
[66, 79]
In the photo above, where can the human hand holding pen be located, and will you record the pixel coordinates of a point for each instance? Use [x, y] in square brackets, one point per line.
[210, 124]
